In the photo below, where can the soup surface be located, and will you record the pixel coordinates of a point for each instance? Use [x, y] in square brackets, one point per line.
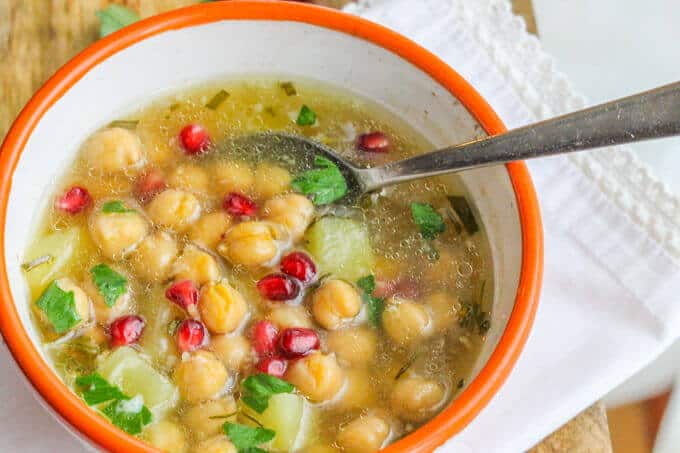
[209, 295]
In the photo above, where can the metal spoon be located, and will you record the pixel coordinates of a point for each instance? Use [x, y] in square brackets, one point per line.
[651, 114]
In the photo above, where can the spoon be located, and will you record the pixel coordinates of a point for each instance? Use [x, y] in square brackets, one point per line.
[647, 115]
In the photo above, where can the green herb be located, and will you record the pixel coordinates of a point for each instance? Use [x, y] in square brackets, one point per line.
[257, 389]
[60, 307]
[247, 439]
[129, 414]
[220, 417]
[39, 261]
[173, 326]
[217, 100]
[411, 360]
[461, 383]
[472, 316]
[110, 283]
[374, 305]
[462, 209]
[306, 117]
[325, 184]
[114, 17]
[428, 220]
[125, 124]
[288, 88]
[116, 206]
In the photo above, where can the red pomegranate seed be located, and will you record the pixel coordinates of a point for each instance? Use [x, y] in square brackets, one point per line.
[184, 293]
[239, 205]
[278, 287]
[300, 266]
[74, 200]
[194, 139]
[190, 335]
[126, 330]
[264, 338]
[298, 342]
[273, 365]
[149, 185]
[374, 142]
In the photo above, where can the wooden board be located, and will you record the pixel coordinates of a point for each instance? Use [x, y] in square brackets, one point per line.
[38, 36]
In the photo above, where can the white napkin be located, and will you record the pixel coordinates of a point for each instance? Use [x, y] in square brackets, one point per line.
[611, 286]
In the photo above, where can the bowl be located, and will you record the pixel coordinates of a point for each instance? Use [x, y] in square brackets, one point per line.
[238, 38]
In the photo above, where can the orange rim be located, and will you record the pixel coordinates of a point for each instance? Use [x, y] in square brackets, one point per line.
[464, 408]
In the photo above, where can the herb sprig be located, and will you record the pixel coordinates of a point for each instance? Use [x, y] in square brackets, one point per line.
[324, 184]
[115, 206]
[246, 439]
[59, 307]
[110, 284]
[306, 116]
[428, 220]
[257, 389]
[374, 305]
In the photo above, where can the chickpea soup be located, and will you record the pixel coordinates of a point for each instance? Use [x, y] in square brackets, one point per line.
[210, 296]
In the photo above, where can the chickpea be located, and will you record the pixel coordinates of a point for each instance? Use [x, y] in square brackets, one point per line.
[189, 177]
[80, 299]
[364, 434]
[359, 392]
[201, 377]
[292, 210]
[210, 228]
[286, 316]
[217, 444]
[233, 350]
[443, 308]
[415, 398]
[102, 312]
[117, 233]
[249, 243]
[405, 321]
[335, 303]
[222, 307]
[317, 376]
[113, 150]
[354, 346]
[196, 265]
[197, 418]
[166, 436]
[152, 260]
[233, 177]
[271, 180]
[174, 209]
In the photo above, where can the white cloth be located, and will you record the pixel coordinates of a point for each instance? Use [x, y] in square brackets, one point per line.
[611, 236]
[611, 286]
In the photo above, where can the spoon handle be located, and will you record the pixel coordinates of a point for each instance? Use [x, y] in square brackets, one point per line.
[652, 114]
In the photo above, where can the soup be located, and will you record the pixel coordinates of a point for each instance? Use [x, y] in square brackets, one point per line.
[210, 295]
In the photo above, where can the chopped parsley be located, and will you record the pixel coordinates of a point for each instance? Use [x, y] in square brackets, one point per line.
[111, 284]
[246, 439]
[325, 183]
[114, 17]
[115, 206]
[217, 100]
[472, 317]
[288, 88]
[306, 117]
[411, 360]
[374, 305]
[128, 414]
[59, 307]
[257, 389]
[428, 220]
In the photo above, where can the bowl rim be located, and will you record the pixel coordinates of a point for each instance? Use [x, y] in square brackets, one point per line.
[499, 365]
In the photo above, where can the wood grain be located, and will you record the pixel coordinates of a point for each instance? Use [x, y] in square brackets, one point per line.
[38, 36]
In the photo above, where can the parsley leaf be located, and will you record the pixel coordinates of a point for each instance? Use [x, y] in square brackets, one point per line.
[128, 414]
[288, 88]
[217, 100]
[374, 305]
[110, 283]
[306, 117]
[428, 220]
[245, 438]
[325, 184]
[114, 17]
[257, 389]
[59, 306]
[115, 206]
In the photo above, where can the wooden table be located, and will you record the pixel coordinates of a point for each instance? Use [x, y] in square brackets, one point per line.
[38, 36]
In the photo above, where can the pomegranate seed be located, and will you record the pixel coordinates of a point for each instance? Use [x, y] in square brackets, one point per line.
[194, 139]
[273, 365]
[126, 330]
[190, 335]
[74, 200]
[300, 266]
[149, 185]
[298, 342]
[264, 338]
[184, 293]
[239, 205]
[278, 287]
[374, 142]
